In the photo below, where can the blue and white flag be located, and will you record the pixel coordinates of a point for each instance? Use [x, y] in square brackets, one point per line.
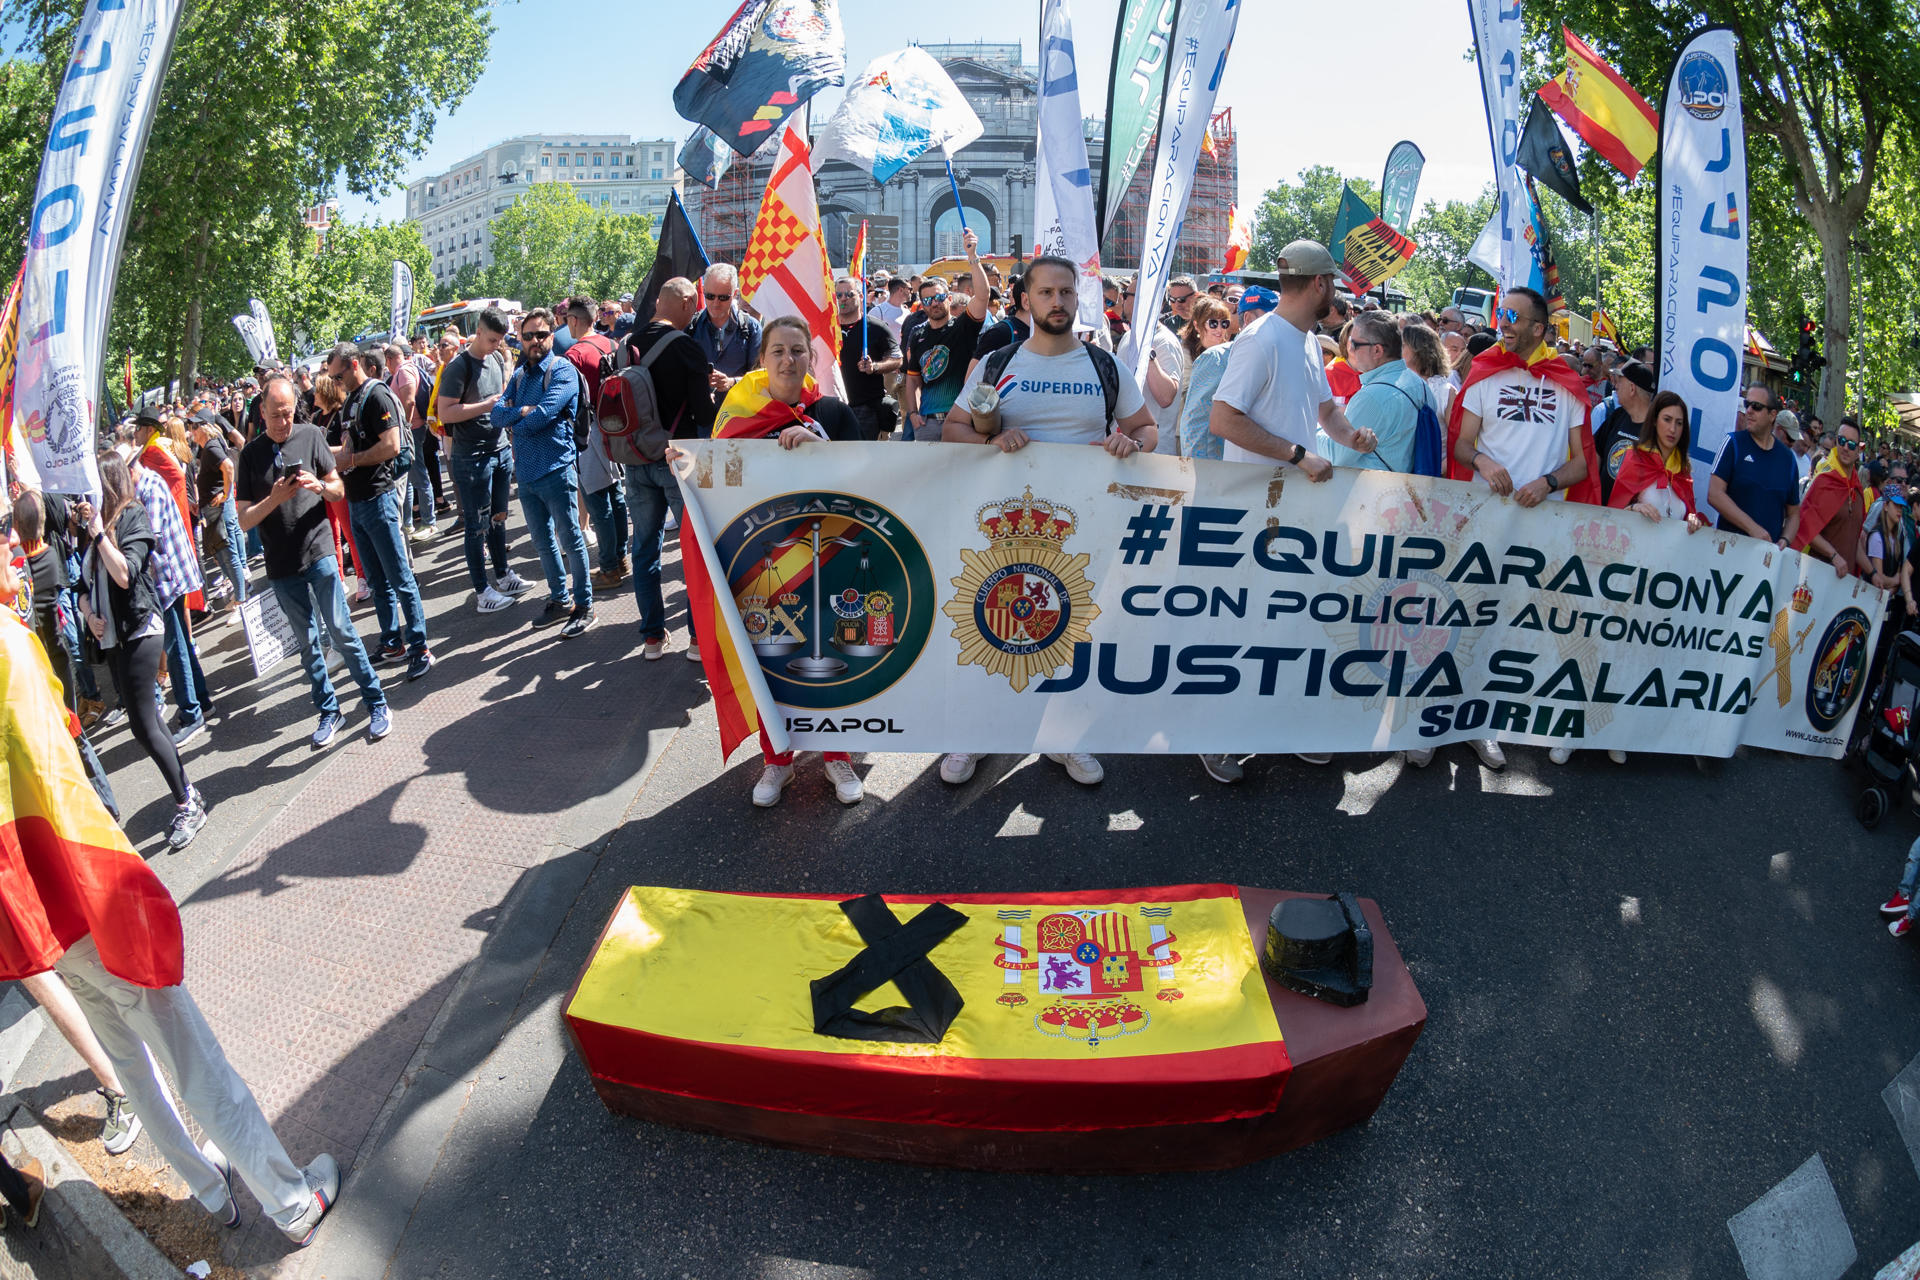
[1063, 211]
[1496, 40]
[80, 207]
[401, 304]
[902, 106]
[1701, 241]
[1203, 33]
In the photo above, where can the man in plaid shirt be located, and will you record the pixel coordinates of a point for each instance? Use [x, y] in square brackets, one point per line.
[176, 574]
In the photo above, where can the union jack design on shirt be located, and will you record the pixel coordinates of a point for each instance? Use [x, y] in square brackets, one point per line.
[1536, 406]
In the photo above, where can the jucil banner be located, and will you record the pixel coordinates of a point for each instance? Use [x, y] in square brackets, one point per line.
[1057, 599]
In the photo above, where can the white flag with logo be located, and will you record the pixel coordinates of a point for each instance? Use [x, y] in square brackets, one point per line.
[1496, 37]
[1063, 212]
[268, 345]
[400, 322]
[903, 105]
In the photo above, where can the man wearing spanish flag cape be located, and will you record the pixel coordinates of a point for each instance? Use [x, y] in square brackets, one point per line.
[1835, 509]
[1519, 423]
[781, 401]
[76, 898]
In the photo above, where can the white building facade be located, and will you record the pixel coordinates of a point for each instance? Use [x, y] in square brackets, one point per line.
[455, 210]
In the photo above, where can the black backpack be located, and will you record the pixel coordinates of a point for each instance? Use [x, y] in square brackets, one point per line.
[1104, 365]
[402, 462]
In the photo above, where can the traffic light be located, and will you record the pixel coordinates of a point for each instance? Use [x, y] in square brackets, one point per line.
[1807, 361]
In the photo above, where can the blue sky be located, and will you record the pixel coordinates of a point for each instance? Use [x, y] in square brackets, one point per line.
[1306, 85]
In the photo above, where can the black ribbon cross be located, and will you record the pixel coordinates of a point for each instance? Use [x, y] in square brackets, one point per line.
[895, 953]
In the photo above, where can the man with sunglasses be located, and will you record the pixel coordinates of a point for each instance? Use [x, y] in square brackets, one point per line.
[730, 339]
[1832, 516]
[1523, 426]
[1180, 295]
[1756, 484]
[940, 350]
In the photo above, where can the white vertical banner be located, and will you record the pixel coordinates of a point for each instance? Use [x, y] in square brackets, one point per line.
[269, 348]
[1702, 239]
[400, 322]
[1203, 34]
[1496, 42]
[74, 243]
[249, 330]
[1063, 213]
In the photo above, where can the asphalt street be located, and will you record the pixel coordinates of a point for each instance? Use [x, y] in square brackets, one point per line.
[1654, 991]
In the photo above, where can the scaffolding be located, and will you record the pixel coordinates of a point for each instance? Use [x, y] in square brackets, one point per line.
[1203, 235]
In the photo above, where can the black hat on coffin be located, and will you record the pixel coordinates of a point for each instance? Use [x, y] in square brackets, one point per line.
[1321, 947]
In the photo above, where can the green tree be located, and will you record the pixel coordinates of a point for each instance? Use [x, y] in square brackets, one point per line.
[552, 243]
[1445, 233]
[268, 105]
[1302, 210]
[1826, 86]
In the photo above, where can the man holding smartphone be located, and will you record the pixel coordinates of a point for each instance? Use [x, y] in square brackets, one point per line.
[284, 477]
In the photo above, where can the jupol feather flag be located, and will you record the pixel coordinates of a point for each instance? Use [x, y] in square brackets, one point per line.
[1598, 104]
[902, 106]
[785, 271]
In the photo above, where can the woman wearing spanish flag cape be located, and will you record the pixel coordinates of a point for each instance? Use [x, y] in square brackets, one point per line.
[779, 399]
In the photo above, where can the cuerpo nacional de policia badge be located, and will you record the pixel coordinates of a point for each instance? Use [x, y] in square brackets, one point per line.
[1021, 605]
[835, 592]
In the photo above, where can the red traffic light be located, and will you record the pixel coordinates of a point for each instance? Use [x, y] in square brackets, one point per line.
[1808, 326]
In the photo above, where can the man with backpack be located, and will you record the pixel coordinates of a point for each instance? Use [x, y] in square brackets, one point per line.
[591, 354]
[538, 405]
[677, 377]
[480, 456]
[1389, 401]
[373, 452]
[1053, 389]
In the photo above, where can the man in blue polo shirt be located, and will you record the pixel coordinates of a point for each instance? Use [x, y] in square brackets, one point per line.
[1756, 482]
[537, 406]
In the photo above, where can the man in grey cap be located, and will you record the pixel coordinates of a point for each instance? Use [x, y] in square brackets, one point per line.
[1789, 423]
[1274, 395]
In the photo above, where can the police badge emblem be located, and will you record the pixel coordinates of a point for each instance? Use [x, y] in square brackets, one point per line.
[1023, 603]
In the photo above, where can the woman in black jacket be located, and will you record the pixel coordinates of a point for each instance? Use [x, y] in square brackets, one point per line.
[123, 612]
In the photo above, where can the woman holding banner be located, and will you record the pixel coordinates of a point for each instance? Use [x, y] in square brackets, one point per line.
[779, 399]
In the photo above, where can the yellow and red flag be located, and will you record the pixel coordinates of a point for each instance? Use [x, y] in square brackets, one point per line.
[858, 267]
[1600, 106]
[1603, 326]
[128, 402]
[785, 271]
[1239, 240]
[18, 457]
[66, 869]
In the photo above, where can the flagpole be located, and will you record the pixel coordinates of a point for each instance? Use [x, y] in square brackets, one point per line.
[1597, 304]
[860, 283]
[954, 182]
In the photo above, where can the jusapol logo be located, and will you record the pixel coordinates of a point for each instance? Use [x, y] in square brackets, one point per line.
[1704, 88]
[1839, 669]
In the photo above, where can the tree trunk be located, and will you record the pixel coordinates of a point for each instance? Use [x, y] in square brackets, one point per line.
[1835, 230]
[190, 337]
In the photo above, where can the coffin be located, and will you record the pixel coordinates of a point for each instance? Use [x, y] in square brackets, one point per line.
[1109, 1031]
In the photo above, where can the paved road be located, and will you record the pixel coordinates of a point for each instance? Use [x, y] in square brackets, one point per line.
[1654, 990]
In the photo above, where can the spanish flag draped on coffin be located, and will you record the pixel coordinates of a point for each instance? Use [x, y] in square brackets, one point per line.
[1029, 1012]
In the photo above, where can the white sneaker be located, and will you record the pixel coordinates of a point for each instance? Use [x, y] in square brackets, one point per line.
[512, 584]
[773, 780]
[1419, 757]
[846, 783]
[957, 767]
[1560, 755]
[1080, 766]
[693, 651]
[1618, 757]
[652, 650]
[1489, 752]
[491, 601]
[1313, 757]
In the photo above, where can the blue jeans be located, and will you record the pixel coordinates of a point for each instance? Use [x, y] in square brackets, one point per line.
[420, 480]
[930, 429]
[183, 661]
[233, 560]
[85, 684]
[651, 490]
[483, 480]
[376, 531]
[608, 511]
[1911, 880]
[308, 597]
[553, 517]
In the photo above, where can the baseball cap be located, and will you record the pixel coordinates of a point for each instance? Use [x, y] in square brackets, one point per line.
[1897, 499]
[1258, 298]
[1788, 422]
[626, 297]
[1306, 258]
[1640, 375]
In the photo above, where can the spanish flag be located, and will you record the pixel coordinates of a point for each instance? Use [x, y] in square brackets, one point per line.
[66, 871]
[1600, 106]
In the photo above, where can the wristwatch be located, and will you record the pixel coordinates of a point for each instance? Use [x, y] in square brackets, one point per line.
[1553, 483]
[1299, 452]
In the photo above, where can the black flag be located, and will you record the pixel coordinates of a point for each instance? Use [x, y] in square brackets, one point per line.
[1543, 153]
[679, 254]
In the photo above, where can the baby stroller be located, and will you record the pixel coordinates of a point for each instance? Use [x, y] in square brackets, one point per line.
[1884, 737]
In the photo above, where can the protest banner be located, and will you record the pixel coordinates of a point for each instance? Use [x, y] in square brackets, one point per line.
[1700, 258]
[81, 204]
[270, 637]
[1057, 599]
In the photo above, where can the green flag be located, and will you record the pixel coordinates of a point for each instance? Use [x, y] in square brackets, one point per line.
[1136, 89]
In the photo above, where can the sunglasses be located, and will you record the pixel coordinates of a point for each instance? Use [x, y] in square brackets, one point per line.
[1219, 324]
[1177, 299]
[1507, 315]
[536, 335]
[1757, 405]
[1849, 444]
[719, 297]
[934, 297]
